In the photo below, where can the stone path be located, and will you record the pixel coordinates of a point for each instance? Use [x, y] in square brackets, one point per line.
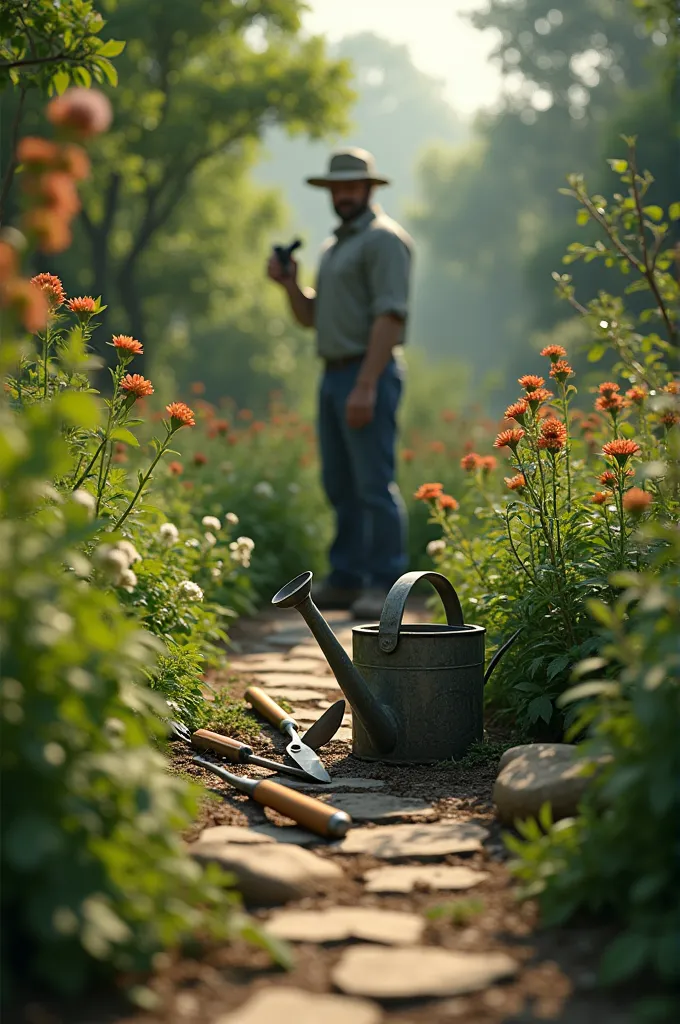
[410, 919]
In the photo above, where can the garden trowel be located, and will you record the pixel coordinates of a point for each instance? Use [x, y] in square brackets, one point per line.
[302, 753]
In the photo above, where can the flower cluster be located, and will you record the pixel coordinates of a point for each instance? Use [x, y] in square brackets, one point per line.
[190, 590]
[242, 551]
[553, 435]
[115, 561]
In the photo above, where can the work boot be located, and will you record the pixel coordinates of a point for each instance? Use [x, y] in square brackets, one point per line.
[368, 607]
[328, 597]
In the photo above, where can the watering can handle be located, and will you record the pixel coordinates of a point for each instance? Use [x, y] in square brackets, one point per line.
[393, 609]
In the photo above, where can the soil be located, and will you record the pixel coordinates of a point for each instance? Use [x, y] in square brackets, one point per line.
[557, 975]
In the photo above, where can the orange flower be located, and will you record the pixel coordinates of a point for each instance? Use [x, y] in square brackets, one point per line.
[85, 111]
[601, 497]
[52, 232]
[437, 447]
[180, 415]
[487, 463]
[200, 459]
[608, 389]
[245, 414]
[221, 426]
[257, 426]
[561, 370]
[636, 395]
[76, 161]
[517, 482]
[448, 416]
[83, 307]
[28, 302]
[8, 261]
[554, 352]
[530, 382]
[509, 438]
[535, 398]
[621, 450]
[136, 385]
[635, 501]
[670, 418]
[188, 485]
[553, 435]
[609, 477]
[609, 403]
[470, 462]
[517, 411]
[673, 387]
[446, 501]
[408, 455]
[198, 388]
[52, 288]
[176, 468]
[428, 492]
[34, 150]
[127, 344]
[59, 190]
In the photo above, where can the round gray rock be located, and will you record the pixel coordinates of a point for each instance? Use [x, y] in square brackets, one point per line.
[295, 1006]
[538, 773]
[414, 972]
[269, 874]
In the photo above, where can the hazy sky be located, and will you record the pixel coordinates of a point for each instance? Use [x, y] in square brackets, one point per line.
[441, 43]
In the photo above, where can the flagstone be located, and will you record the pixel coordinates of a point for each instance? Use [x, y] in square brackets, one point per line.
[290, 693]
[337, 924]
[404, 878]
[268, 874]
[382, 806]
[425, 842]
[296, 682]
[330, 787]
[299, 1006]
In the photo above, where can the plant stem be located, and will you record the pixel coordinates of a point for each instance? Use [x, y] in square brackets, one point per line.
[46, 348]
[143, 482]
[567, 446]
[85, 475]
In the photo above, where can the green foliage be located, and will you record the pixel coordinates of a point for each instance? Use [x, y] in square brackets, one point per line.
[232, 716]
[94, 872]
[619, 856]
[457, 912]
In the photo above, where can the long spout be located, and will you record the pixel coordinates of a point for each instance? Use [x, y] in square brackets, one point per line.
[376, 719]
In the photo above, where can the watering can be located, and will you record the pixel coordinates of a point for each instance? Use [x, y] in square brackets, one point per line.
[416, 690]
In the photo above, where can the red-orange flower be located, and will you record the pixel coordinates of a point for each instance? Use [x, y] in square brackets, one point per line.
[75, 160]
[257, 426]
[200, 459]
[437, 447]
[127, 344]
[245, 414]
[198, 388]
[608, 389]
[636, 395]
[28, 302]
[448, 416]
[515, 483]
[59, 190]
[621, 450]
[609, 403]
[487, 463]
[517, 411]
[83, 306]
[470, 462]
[446, 501]
[428, 492]
[9, 262]
[670, 418]
[635, 501]
[553, 435]
[221, 426]
[408, 455]
[561, 370]
[52, 288]
[136, 385]
[554, 352]
[180, 415]
[609, 477]
[535, 398]
[34, 150]
[530, 382]
[176, 468]
[601, 497]
[85, 111]
[673, 387]
[509, 438]
[52, 232]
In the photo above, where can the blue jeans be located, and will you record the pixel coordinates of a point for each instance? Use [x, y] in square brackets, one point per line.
[358, 476]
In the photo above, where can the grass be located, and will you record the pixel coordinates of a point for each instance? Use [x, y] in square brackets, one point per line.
[232, 717]
[457, 912]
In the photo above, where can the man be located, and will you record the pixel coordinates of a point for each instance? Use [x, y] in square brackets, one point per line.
[359, 310]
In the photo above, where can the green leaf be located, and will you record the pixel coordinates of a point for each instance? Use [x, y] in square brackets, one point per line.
[540, 707]
[79, 410]
[596, 353]
[60, 81]
[655, 212]
[674, 211]
[594, 688]
[111, 48]
[618, 166]
[624, 958]
[123, 434]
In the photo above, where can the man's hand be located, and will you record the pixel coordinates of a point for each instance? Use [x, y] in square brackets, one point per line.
[276, 272]
[360, 405]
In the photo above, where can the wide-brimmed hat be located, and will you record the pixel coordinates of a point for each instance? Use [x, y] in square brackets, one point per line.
[349, 165]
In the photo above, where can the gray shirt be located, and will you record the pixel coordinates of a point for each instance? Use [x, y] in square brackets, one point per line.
[364, 273]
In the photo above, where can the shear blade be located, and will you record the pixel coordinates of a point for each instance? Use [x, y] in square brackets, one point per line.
[307, 760]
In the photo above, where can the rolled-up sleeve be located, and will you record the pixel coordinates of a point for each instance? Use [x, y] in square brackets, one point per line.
[389, 273]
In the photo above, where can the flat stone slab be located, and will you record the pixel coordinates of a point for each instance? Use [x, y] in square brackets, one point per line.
[343, 735]
[414, 972]
[270, 874]
[298, 1006]
[338, 924]
[291, 694]
[307, 716]
[404, 878]
[289, 834]
[297, 682]
[537, 773]
[308, 649]
[426, 842]
[330, 787]
[232, 834]
[383, 807]
[265, 663]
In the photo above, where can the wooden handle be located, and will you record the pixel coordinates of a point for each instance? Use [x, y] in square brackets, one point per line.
[305, 810]
[267, 707]
[204, 739]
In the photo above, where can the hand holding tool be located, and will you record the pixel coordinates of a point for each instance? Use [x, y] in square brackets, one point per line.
[303, 755]
[284, 253]
[313, 814]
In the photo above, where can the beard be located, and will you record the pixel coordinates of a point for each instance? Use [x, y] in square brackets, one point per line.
[349, 209]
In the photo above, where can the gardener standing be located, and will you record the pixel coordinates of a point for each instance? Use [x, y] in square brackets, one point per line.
[359, 311]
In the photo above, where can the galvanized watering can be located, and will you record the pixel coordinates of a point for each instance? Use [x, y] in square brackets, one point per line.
[417, 691]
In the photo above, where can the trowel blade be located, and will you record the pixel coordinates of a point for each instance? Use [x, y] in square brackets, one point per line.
[305, 757]
[325, 727]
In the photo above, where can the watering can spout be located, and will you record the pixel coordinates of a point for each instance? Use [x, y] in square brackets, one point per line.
[376, 719]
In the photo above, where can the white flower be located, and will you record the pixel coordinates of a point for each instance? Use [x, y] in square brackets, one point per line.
[245, 542]
[211, 523]
[128, 580]
[232, 518]
[190, 590]
[169, 534]
[210, 539]
[241, 550]
[215, 572]
[192, 543]
[264, 489]
[84, 498]
[294, 488]
[112, 561]
[130, 551]
[435, 546]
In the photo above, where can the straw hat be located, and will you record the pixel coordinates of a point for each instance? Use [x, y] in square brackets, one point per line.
[349, 165]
